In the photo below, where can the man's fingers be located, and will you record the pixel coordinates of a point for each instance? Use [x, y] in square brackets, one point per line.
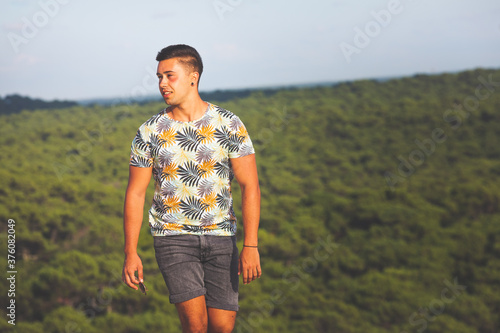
[250, 275]
[132, 265]
[249, 266]
[129, 282]
[133, 278]
[128, 276]
[141, 277]
[139, 273]
[255, 274]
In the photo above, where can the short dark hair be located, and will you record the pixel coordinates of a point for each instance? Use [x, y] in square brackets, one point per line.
[187, 55]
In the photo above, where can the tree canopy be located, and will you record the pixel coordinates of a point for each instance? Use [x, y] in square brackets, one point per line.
[380, 211]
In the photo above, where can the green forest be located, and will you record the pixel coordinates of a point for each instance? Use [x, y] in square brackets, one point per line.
[380, 211]
[15, 103]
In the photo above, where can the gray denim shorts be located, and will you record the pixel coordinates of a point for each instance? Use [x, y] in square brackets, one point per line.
[194, 265]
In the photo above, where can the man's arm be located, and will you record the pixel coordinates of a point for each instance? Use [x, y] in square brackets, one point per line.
[132, 220]
[245, 171]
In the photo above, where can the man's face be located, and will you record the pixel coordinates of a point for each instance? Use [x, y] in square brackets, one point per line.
[174, 81]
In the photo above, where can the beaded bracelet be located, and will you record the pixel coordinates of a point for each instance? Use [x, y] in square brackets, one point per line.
[249, 246]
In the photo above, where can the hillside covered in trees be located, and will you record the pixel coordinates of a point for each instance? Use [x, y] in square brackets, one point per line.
[380, 211]
[15, 103]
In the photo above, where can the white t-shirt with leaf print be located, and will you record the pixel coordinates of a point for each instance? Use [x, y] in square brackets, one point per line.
[192, 170]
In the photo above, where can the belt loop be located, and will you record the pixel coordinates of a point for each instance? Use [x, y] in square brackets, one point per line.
[203, 242]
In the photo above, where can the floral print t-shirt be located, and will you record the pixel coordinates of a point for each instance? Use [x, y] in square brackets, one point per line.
[192, 170]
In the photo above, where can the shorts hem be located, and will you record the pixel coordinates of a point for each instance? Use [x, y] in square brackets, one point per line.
[228, 307]
[179, 298]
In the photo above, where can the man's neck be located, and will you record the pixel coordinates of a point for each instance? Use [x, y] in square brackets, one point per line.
[189, 110]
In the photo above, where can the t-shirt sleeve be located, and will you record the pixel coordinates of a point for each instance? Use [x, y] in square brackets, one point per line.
[242, 143]
[140, 155]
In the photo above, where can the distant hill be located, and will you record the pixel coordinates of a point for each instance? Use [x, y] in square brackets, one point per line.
[216, 95]
[16, 103]
[224, 95]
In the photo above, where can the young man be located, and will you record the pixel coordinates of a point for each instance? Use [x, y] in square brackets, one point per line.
[193, 149]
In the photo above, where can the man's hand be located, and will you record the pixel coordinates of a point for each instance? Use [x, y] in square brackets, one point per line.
[249, 264]
[132, 264]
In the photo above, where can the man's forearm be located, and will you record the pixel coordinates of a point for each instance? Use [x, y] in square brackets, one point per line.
[132, 221]
[251, 213]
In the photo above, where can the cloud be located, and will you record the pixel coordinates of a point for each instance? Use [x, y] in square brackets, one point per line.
[21, 60]
[27, 59]
[12, 27]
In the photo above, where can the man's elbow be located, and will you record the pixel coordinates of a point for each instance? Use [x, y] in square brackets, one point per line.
[135, 193]
[251, 189]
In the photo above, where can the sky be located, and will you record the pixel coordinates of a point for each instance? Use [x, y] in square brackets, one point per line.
[73, 49]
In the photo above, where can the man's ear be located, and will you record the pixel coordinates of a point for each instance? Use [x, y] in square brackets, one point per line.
[195, 77]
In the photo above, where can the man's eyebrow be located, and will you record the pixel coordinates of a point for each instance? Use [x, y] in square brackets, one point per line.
[165, 72]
